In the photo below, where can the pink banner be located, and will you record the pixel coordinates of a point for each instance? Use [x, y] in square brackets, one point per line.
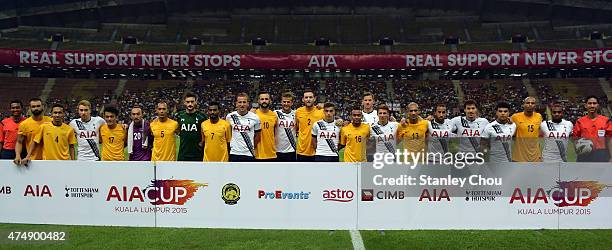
[464, 60]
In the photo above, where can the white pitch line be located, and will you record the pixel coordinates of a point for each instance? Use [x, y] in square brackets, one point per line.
[356, 240]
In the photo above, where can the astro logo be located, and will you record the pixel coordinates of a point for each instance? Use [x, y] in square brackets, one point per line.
[280, 195]
[566, 193]
[159, 192]
[338, 195]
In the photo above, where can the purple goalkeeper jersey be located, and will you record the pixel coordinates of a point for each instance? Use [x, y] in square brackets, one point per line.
[139, 153]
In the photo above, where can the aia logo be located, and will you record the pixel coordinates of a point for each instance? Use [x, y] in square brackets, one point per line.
[338, 195]
[242, 128]
[434, 195]
[37, 191]
[159, 192]
[88, 134]
[566, 193]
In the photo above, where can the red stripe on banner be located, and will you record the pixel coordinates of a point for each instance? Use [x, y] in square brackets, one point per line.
[338, 200]
[444, 60]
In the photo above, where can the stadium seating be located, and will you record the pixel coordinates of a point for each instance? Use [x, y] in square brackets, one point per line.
[570, 92]
[20, 88]
[427, 94]
[487, 93]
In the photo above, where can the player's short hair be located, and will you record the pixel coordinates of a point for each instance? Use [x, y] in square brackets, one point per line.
[242, 94]
[16, 101]
[311, 91]
[526, 98]
[137, 106]
[470, 102]
[35, 99]
[85, 103]
[213, 103]
[57, 105]
[111, 110]
[440, 104]
[161, 102]
[329, 105]
[412, 103]
[262, 92]
[591, 96]
[355, 107]
[288, 94]
[503, 105]
[557, 105]
[190, 94]
[368, 93]
[383, 106]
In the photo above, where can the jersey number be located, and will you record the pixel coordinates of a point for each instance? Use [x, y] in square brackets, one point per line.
[111, 139]
[162, 134]
[267, 125]
[308, 122]
[212, 137]
[530, 128]
[415, 135]
[57, 139]
[358, 138]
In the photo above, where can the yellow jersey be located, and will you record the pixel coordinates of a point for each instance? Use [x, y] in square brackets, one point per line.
[306, 119]
[55, 141]
[355, 139]
[164, 140]
[266, 148]
[413, 135]
[526, 147]
[216, 137]
[30, 128]
[113, 143]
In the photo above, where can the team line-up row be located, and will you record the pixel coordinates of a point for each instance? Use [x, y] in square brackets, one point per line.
[310, 133]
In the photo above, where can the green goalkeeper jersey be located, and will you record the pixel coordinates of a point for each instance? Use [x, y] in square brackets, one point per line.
[190, 135]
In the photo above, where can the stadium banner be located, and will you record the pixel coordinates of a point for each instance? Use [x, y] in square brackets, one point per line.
[308, 196]
[489, 196]
[76, 193]
[590, 184]
[426, 60]
[261, 195]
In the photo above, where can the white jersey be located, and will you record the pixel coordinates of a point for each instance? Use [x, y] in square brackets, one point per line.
[468, 132]
[385, 136]
[370, 118]
[87, 134]
[243, 132]
[439, 135]
[556, 137]
[500, 138]
[328, 136]
[285, 134]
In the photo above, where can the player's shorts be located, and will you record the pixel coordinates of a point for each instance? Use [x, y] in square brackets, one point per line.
[285, 157]
[599, 155]
[305, 158]
[10, 154]
[241, 158]
[191, 159]
[321, 158]
[266, 160]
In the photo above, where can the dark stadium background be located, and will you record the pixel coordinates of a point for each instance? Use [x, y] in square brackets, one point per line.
[295, 27]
